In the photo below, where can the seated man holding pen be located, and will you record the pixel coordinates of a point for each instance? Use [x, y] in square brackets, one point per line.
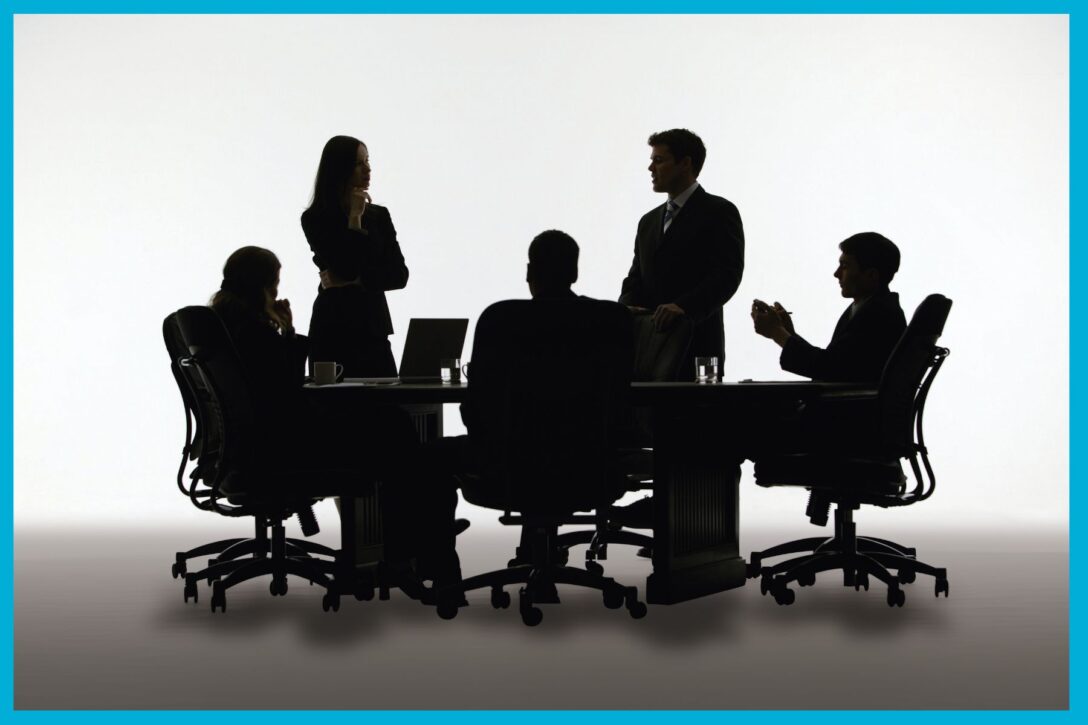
[863, 340]
[868, 329]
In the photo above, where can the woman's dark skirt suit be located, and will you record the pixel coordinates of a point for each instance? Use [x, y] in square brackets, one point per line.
[351, 324]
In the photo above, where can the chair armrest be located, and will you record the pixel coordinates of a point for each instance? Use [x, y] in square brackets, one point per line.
[851, 394]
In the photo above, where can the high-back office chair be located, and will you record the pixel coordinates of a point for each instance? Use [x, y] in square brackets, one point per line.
[549, 379]
[206, 497]
[659, 356]
[233, 479]
[865, 472]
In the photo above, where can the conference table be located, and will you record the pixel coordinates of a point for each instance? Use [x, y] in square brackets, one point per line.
[695, 474]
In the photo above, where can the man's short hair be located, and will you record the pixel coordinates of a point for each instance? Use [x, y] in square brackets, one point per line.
[553, 259]
[873, 251]
[682, 142]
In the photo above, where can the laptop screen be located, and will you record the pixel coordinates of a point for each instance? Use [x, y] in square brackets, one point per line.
[429, 341]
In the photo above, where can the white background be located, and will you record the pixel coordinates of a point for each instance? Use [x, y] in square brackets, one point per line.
[149, 148]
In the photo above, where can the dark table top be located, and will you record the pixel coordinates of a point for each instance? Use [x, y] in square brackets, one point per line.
[641, 393]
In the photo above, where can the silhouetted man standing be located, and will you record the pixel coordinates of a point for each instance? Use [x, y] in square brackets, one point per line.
[868, 329]
[689, 252]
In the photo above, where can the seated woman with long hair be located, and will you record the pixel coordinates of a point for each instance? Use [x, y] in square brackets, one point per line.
[261, 327]
[417, 504]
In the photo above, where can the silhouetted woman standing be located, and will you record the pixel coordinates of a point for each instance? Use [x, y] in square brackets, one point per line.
[355, 248]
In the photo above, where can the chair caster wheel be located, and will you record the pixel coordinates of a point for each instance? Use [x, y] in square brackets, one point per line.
[532, 616]
[190, 590]
[635, 608]
[906, 576]
[278, 587]
[766, 584]
[941, 588]
[177, 569]
[752, 568]
[446, 611]
[613, 597]
[219, 598]
[330, 602]
[500, 599]
[363, 593]
[809, 579]
[784, 596]
[594, 568]
[861, 580]
[896, 596]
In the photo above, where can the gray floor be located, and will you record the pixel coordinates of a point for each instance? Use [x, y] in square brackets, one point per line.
[99, 623]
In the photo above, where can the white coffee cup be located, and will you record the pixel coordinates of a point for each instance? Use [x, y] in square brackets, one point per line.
[327, 373]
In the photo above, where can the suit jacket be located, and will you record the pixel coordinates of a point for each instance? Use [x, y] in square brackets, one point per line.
[373, 255]
[858, 350]
[565, 360]
[697, 265]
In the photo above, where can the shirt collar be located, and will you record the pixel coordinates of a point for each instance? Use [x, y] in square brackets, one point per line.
[682, 198]
[857, 305]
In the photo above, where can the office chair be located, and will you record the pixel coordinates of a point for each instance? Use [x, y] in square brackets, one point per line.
[206, 498]
[236, 480]
[658, 357]
[865, 470]
[549, 379]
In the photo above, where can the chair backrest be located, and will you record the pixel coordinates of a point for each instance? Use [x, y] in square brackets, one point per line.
[549, 379]
[221, 396]
[194, 431]
[175, 348]
[659, 356]
[905, 383]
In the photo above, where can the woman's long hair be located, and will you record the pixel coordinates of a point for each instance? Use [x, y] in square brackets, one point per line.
[247, 277]
[338, 160]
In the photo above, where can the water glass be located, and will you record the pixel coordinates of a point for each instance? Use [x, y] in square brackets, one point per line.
[706, 369]
[449, 369]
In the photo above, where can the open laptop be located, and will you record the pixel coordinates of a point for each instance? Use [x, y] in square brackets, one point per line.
[429, 341]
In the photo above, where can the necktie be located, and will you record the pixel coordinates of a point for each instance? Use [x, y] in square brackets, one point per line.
[670, 211]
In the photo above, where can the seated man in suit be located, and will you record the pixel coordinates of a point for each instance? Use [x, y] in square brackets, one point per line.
[552, 269]
[866, 332]
[863, 341]
[553, 265]
[864, 338]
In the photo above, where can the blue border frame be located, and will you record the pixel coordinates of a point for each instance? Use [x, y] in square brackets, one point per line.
[1076, 389]
[576, 7]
